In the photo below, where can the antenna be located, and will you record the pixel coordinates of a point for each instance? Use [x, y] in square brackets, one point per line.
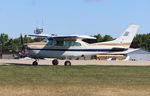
[39, 25]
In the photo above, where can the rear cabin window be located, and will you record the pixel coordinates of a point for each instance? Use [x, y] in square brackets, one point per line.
[71, 43]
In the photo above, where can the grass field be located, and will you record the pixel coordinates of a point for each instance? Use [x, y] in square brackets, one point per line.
[74, 81]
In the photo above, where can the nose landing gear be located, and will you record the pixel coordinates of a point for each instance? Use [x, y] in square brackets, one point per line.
[35, 63]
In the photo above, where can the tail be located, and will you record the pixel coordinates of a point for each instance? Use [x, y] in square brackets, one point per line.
[125, 39]
[128, 35]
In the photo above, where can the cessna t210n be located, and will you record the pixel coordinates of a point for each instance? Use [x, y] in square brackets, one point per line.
[74, 46]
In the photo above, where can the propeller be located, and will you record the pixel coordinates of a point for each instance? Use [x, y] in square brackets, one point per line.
[22, 43]
[23, 48]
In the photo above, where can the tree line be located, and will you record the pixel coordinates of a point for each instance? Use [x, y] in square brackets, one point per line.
[8, 44]
[141, 41]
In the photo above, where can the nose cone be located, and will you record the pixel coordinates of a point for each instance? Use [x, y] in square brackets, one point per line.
[33, 49]
[31, 52]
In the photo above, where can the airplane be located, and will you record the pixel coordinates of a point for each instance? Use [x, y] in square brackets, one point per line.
[73, 46]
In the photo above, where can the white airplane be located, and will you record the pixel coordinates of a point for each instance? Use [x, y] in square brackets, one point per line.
[74, 46]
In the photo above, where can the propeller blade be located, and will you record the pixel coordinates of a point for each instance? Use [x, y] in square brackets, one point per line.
[21, 39]
[22, 43]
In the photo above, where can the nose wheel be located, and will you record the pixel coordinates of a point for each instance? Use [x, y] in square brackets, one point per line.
[35, 63]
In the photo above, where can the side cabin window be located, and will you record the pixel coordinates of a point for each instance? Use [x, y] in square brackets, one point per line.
[60, 42]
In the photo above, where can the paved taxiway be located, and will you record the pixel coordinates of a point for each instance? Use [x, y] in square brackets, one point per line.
[75, 62]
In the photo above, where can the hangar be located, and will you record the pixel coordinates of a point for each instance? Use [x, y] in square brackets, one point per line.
[130, 55]
[139, 55]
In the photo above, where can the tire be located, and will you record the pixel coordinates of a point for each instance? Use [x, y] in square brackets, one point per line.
[55, 62]
[35, 63]
[67, 63]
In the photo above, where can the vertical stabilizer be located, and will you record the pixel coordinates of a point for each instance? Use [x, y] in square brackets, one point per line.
[128, 34]
[127, 37]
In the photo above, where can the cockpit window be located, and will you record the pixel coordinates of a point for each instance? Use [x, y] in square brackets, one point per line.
[50, 41]
[45, 40]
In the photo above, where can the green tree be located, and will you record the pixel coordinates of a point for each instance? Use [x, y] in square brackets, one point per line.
[107, 38]
[13, 45]
[3, 41]
[27, 39]
[141, 41]
[16, 44]
[98, 37]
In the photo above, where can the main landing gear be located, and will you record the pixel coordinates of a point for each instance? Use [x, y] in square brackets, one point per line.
[67, 63]
[56, 62]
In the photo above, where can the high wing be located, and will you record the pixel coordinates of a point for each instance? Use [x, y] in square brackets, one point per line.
[63, 36]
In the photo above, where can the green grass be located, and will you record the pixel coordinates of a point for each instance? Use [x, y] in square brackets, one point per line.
[23, 80]
[103, 76]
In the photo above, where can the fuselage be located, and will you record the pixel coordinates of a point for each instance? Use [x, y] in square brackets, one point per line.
[68, 48]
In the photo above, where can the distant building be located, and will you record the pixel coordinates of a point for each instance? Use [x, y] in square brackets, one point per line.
[8, 56]
[139, 55]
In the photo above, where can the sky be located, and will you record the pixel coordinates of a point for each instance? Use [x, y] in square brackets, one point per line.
[71, 17]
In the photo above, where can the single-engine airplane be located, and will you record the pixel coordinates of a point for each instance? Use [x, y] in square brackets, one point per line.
[74, 46]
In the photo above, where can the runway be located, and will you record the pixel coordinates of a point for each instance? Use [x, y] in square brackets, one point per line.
[75, 62]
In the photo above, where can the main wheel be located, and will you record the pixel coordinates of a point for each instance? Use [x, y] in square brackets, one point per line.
[35, 63]
[55, 62]
[67, 63]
